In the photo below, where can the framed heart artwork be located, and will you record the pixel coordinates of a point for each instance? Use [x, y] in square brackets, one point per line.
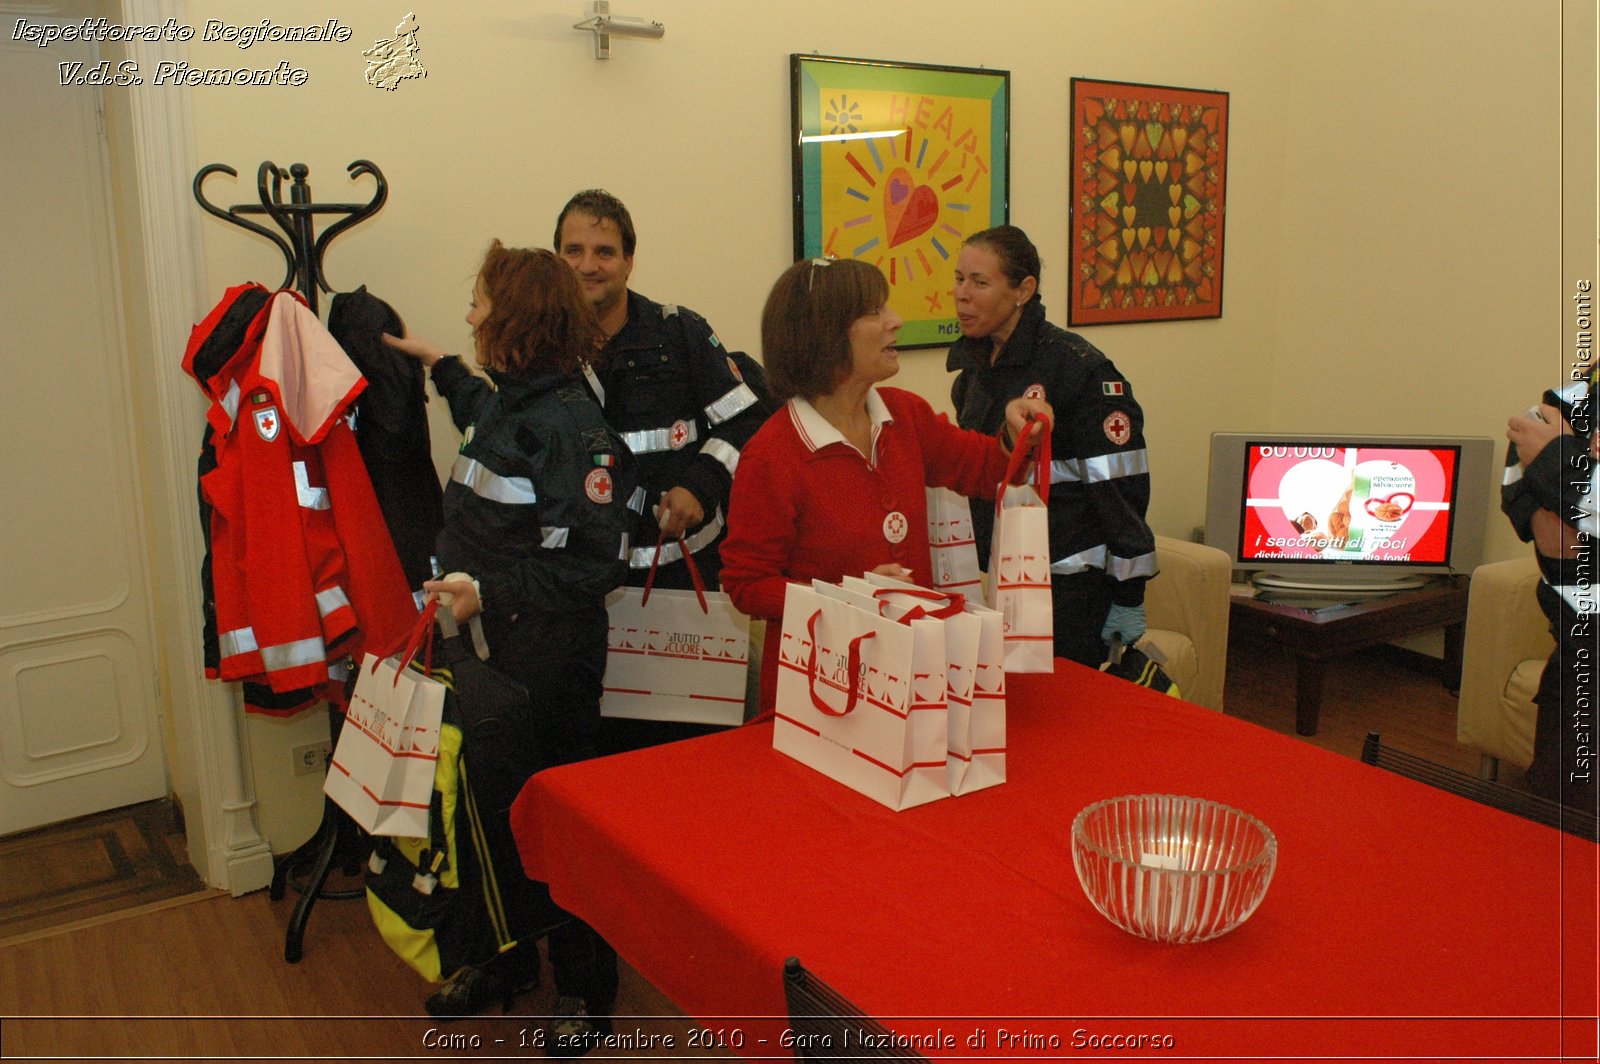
[896, 164]
[1149, 192]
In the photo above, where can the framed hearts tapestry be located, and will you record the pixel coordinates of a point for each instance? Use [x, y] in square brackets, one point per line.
[895, 164]
[1149, 184]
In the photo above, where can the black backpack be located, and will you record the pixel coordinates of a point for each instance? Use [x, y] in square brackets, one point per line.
[460, 896]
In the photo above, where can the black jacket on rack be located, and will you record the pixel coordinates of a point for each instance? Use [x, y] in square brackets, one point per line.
[391, 427]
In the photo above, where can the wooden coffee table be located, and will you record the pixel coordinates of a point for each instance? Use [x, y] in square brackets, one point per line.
[1316, 635]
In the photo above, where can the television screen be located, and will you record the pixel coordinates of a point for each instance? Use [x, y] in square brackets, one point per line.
[1375, 504]
[1348, 511]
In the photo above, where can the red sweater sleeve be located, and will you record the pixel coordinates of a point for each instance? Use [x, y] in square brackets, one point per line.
[967, 462]
[763, 512]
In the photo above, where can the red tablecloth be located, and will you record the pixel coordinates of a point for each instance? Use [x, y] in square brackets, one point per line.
[1401, 920]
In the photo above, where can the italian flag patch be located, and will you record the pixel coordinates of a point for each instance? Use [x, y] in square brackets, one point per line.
[1110, 387]
[605, 460]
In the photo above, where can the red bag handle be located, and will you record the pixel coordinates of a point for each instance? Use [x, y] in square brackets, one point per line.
[954, 602]
[694, 573]
[1041, 470]
[419, 637]
[852, 663]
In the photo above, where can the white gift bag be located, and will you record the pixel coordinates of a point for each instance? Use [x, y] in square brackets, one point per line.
[952, 544]
[975, 691]
[925, 612]
[1019, 562]
[986, 732]
[845, 703]
[382, 769]
[675, 655]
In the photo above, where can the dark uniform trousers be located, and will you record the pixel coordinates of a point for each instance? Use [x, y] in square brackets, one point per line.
[1079, 604]
[562, 667]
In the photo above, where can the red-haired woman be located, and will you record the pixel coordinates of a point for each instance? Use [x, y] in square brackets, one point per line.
[536, 516]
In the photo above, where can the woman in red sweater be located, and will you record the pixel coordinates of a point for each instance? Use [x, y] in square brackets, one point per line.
[832, 485]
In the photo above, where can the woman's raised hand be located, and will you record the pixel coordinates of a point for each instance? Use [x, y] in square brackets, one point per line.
[416, 347]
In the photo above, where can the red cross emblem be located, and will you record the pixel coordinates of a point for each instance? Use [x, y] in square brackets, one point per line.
[1034, 391]
[267, 423]
[597, 485]
[1119, 427]
[895, 527]
[678, 435]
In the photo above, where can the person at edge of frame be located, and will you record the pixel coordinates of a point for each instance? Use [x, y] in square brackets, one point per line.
[1551, 491]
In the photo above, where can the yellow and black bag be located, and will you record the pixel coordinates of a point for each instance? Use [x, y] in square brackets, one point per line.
[435, 900]
[1139, 667]
[460, 896]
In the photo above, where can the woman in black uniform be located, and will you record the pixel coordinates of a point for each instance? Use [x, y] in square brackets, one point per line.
[1101, 551]
[536, 515]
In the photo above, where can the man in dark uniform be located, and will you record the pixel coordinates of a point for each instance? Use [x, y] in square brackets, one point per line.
[671, 390]
[677, 398]
[1551, 492]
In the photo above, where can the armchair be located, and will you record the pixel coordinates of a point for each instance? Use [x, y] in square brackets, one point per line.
[1186, 607]
[1508, 642]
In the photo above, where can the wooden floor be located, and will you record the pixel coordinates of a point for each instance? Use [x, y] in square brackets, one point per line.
[95, 865]
[1397, 693]
[207, 978]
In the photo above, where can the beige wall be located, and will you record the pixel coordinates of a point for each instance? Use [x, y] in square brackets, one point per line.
[1394, 253]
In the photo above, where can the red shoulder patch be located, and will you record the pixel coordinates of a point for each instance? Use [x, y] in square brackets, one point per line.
[597, 485]
[1118, 428]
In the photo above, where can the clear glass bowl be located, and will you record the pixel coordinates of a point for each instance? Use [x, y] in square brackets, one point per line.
[1171, 868]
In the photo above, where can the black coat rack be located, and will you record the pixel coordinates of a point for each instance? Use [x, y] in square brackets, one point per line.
[303, 250]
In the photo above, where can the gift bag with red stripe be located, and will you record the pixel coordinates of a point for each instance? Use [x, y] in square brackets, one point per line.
[382, 768]
[676, 655]
[848, 702]
[975, 681]
[986, 731]
[952, 545]
[926, 613]
[1019, 560]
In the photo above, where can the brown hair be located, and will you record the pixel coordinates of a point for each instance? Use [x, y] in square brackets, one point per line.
[538, 319]
[1019, 259]
[604, 206]
[805, 328]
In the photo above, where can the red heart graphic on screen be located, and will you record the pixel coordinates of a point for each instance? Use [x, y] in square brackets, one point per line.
[1400, 500]
[1285, 489]
[908, 210]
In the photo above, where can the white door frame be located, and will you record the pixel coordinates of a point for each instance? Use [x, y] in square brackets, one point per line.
[211, 762]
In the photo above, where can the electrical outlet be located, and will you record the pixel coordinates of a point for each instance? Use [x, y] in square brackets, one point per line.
[310, 757]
